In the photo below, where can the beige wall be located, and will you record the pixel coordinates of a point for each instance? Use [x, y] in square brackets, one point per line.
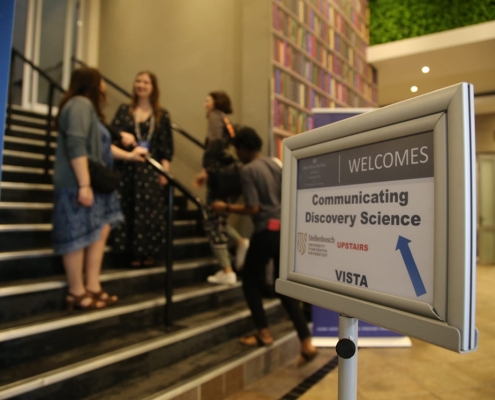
[193, 46]
[485, 133]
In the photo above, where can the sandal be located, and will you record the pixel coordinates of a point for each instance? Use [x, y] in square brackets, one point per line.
[78, 302]
[103, 296]
[259, 342]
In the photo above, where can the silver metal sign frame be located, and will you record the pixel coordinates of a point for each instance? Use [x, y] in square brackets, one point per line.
[449, 323]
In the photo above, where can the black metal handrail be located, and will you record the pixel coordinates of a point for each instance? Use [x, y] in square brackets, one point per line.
[51, 94]
[175, 127]
[169, 260]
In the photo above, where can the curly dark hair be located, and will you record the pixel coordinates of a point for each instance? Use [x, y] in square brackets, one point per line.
[247, 138]
[222, 101]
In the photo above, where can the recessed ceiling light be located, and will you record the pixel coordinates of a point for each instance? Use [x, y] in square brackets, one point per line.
[414, 89]
[425, 69]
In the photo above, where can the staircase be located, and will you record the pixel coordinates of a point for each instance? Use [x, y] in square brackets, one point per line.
[121, 352]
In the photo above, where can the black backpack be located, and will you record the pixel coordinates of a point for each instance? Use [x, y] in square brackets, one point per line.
[226, 176]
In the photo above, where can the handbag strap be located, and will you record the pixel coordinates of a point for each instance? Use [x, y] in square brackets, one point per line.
[229, 126]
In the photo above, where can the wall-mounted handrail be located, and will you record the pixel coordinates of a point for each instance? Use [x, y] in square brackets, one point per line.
[177, 128]
[42, 73]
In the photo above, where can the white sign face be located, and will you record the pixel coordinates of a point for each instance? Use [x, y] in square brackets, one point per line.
[365, 217]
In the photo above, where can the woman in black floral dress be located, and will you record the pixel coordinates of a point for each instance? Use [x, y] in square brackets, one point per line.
[142, 194]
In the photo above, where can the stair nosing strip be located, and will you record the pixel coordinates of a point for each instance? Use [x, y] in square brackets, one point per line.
[185, 222]
[23, 154]
[40, 227]
[82, 367]
[17, 107]
[27, 129]
[25, 227]
[105, 277]
[14, 255]
[172, 393]
[24, 170]
[25, 205]
[205, 291]
[31, 142]
[191, 240]
[34, 120]
[26, 186]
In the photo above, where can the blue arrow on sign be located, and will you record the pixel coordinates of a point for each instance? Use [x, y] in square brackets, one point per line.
[412, 269]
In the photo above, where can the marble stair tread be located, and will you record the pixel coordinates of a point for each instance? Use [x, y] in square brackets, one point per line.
[166, 378]
[67, 360]
[108, 274]
[60, 315]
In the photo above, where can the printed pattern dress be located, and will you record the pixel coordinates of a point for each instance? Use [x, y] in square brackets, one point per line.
[142, 236]
[76, 227]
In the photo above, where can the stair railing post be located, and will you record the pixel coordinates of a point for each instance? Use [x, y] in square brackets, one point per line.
[11, 90]
[49, 127]
[169, 257]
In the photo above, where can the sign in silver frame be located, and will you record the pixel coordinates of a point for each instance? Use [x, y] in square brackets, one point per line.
[449, 321]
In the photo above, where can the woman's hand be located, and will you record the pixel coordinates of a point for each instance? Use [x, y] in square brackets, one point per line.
[137, 154]
[200, 179]
[162, 180]
[85, 196]
[219, 207]
[127, 139]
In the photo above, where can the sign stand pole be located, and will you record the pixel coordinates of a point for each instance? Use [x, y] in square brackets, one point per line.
[348, 361]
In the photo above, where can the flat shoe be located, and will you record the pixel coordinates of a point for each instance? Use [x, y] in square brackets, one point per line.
[306, 358]
[259, 341]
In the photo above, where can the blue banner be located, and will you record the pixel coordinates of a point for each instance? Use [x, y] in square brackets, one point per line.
[6, 28]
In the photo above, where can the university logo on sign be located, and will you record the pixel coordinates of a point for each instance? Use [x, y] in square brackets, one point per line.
[302, 239]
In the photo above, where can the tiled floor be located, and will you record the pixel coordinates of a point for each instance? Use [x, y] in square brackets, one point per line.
[422, 372]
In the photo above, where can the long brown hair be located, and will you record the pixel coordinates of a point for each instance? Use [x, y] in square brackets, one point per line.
[221, 101]
[154, 96]
[84, 82]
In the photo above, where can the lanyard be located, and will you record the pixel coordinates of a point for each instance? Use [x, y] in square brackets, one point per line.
[137, 127]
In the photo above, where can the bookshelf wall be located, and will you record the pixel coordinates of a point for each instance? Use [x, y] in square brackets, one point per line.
[318, 60]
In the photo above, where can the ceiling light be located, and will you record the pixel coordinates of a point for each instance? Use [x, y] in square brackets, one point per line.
[414, 89]
[425, 69]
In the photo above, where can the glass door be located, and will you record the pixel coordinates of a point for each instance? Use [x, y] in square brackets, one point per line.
[50, 42]
[486, 209]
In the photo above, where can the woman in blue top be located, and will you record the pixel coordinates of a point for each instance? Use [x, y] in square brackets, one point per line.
[82, 218]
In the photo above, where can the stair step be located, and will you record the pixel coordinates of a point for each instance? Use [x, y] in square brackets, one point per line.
[22, 158]
[16, 173]
[22, 212]
[26, 121]
[230, 359]
[20, 111]
[100, 365]
[35, 146]
[28, 298]
[28, 132]
[39, 263]
[18, 237]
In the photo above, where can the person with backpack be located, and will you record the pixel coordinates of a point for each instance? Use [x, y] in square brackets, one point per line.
[218, 141]
[261, 181]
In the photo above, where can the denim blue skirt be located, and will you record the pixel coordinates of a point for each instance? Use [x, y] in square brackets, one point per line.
[76, 227]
